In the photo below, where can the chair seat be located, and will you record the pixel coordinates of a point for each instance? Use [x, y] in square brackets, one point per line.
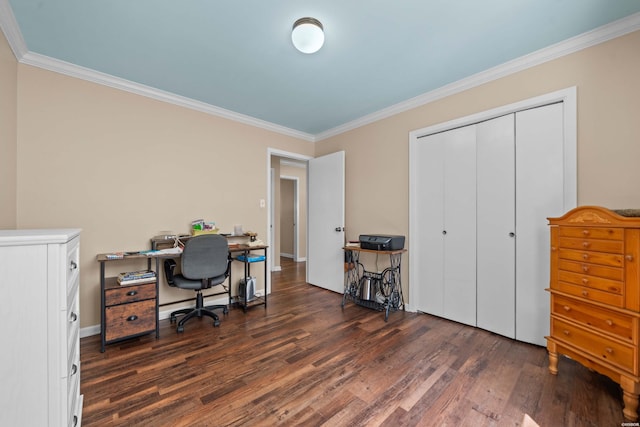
[182, 283]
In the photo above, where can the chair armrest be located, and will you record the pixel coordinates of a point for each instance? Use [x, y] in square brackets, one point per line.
[169, 268]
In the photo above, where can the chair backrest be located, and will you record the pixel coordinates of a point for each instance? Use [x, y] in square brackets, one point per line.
[204, 257]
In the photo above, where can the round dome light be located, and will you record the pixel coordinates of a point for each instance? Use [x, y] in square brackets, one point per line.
[307, 35]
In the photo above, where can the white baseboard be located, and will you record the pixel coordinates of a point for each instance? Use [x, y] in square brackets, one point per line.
[303, 259]
[276, 268]
[285, 255]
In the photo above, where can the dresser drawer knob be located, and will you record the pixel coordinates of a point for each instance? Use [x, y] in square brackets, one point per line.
[585, 280]
[74, 369]
[132, 318]
[585, 256]
[566, 332]
[73, 317]
[132, 293]
[73, 265]
[585, 268]
[609, 350]
[567, 308]
[585, 244]
[629, 257]
[585, 293]
[609, 322]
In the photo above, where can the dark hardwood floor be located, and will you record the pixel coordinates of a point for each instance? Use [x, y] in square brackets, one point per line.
[305, 361]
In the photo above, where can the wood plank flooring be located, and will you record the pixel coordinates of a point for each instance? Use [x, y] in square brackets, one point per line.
[305, 361]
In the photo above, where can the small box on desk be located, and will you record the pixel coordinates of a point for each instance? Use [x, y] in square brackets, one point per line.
[251, 258]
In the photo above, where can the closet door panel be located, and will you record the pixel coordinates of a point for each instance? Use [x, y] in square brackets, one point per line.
[540, 183]
[430, 184]
[460, 225]
[495, 215]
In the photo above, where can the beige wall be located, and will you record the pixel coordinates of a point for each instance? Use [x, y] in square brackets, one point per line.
[301, 174]
[8, 134]
[608, 88]
[124, 167]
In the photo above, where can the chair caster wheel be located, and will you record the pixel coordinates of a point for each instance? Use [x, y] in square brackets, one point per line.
[225, 311]
[216, 323]
[180, 329]
[172, 319]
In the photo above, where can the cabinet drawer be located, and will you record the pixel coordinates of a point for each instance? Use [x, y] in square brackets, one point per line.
[613, 273]
[610, 246]
[610, 322]
[594, 282]
[608, 350]
[615, 300]
[611, 260]
[130, 319]
[131, 293]
[593, 232]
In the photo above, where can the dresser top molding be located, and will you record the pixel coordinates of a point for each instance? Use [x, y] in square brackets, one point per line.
[597, 215]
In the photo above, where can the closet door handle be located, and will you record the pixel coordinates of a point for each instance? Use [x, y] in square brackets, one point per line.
[512, 234]
[444, 232]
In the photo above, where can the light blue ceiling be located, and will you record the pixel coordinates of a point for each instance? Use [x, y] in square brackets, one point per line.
[238, 55]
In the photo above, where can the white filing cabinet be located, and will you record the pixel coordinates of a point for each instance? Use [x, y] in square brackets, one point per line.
[40, 333]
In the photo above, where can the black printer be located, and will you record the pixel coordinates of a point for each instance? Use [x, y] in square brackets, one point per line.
[381, 242]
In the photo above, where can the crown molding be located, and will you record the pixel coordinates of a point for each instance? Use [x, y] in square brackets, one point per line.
[72, 70]
[11, 30]
[599, 35]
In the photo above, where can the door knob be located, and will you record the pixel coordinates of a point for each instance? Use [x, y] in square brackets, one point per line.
[512, 234]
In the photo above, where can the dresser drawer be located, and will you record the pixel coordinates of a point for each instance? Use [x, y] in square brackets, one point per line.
[131, 293]
[593, 232]
[604, 349]
[613, 273]
[611, 260]
[615, 300]
[610, 246]
[130, 319]
[610, 322]
[593, 282]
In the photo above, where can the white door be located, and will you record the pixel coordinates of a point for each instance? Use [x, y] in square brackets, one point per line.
[325, 257]
[540, 182]
[495, 216]
[459, 231]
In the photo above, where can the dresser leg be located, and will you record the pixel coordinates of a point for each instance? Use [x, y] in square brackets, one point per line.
[630, 390]
[553, 358]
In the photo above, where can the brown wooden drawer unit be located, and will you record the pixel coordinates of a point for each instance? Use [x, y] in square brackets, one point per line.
[129, 310]
[595, 295]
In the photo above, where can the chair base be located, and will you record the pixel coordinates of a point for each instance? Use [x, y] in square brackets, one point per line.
[199, 311]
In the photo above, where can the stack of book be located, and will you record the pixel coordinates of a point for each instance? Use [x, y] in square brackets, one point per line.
[136, 277]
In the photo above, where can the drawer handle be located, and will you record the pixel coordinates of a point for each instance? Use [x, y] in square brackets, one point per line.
[585, 268]
[585, 293]
[553, 248]
[567, 308]
[585, 232]
[75, 420]
[585, 244]
[132, 318]
[132, 293]
[73, 317]
[73, 265]
[74, 369]
[585, 280]
[585, 256]
[566, 332]
[609, 322]
[629, 257]
[609, 350]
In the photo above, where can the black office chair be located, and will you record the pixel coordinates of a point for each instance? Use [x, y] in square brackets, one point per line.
[205, 262]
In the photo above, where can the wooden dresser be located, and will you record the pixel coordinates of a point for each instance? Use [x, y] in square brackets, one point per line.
[595, 295]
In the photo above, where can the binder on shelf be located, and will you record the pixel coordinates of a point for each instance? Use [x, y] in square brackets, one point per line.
[135, 277]
[251, 258]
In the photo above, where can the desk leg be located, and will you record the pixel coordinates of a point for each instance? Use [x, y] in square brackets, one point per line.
[157, 296]
[103, 325]
[266, 271]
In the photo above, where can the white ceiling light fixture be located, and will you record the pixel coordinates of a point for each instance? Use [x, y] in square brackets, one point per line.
[307, 35]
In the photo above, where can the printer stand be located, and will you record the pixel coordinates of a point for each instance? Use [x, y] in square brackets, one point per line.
[379, 291]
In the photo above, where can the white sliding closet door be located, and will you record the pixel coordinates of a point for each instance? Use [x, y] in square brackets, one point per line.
[540, 182]
[495, 216]
[459, 229]
[429, 178]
